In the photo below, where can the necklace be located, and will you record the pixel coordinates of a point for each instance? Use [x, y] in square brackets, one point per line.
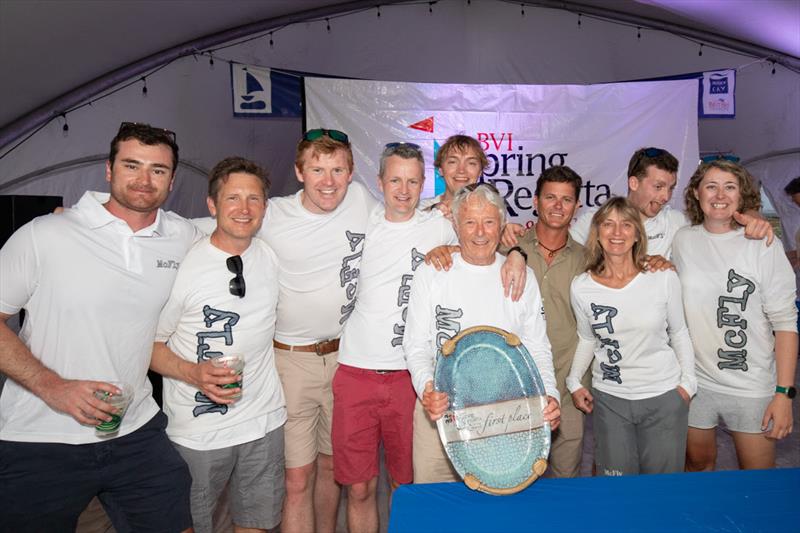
[552, 251]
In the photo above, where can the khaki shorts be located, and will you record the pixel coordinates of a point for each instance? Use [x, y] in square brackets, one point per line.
[431, 464]
[306, 379]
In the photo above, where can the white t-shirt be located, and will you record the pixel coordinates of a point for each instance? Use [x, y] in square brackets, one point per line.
[92, 290]
[318, 258]
[202, 319]
[736, 293]
[661, 229]
[637, 336]
[444, 303]
[373, 335]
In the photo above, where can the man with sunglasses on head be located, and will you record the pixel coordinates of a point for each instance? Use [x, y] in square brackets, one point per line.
[318, 235]
[227, 421]
[373, 396]
[92, 281]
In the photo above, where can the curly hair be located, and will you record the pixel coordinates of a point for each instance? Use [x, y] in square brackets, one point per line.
[595, 255]
[749, 197]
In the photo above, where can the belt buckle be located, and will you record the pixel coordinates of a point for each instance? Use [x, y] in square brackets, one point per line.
[382, 372]
[318, 347]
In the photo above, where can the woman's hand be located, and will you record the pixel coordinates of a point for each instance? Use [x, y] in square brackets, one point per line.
[583, 400]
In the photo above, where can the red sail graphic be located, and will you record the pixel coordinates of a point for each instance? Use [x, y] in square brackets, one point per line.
[423, 125]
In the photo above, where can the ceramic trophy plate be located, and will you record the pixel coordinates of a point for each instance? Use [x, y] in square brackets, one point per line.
[494, 432]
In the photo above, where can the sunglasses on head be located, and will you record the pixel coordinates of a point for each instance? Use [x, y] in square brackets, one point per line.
[136, 127]
[392, 146]
[336, 135]
[717, 157]
[236, 267]
[652, 152]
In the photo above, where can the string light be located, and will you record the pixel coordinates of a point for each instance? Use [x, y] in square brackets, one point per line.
[379, 11]
[579, 20]
[210, 60]
[271, 42]
[700, 52]
[639, 32]
[65, 127]
[328, 24]
[144, 86]
[430, 7]
[522, 9]
[773, 67]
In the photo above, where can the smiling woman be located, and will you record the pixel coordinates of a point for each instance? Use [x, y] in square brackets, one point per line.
[739, 299]
[631, 324]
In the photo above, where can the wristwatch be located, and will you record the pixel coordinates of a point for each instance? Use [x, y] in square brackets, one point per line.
[520, 251]
[789, 391]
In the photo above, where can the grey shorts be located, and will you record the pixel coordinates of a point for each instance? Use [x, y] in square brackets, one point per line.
[740, 414]
[254, 473]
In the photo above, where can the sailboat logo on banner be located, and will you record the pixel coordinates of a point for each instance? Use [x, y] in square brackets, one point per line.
[252, 88]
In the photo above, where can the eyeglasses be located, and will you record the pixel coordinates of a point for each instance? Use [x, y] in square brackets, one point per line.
[717, 157]
[128, 128]
[236, 267]
[336, 135]
[474, 186]
[393, 146]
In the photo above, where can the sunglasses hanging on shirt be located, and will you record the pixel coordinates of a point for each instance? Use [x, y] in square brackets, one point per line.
[236, 267]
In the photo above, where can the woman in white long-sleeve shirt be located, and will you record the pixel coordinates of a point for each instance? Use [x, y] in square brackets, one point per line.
[631, 323]
[739, 299]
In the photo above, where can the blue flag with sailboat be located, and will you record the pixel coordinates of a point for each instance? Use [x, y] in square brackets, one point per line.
[264, 92]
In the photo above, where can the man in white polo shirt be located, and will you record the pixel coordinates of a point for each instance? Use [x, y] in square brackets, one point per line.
[228, 426]
[92, 281]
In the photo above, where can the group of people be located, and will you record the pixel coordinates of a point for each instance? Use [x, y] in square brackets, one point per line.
[337, 306]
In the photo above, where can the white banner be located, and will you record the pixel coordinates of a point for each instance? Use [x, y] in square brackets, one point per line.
[524, 129]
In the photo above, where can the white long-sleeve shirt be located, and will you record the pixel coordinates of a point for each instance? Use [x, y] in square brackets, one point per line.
[636, 335]
[736, 293]
[444, 303]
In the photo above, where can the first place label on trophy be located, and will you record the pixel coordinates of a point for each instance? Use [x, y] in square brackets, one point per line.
[490, 420]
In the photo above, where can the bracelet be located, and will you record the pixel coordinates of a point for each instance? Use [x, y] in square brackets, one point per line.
[520, 251]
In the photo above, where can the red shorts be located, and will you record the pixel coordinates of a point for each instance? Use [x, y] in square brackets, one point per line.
[368, 408]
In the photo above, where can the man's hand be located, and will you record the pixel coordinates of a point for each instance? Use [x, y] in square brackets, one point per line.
[445, 209]
[657, 263]
[513, 274]
[583, 400]
[435, 403]
[779, 411]
[511, 233]
[76, 398]
[441, 257]
[207, 378]
[552, 413]
[755, 226]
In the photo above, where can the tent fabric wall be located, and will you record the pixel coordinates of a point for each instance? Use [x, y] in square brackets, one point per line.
[478, 43]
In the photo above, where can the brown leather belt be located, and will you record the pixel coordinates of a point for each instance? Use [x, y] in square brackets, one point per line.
[319, 348]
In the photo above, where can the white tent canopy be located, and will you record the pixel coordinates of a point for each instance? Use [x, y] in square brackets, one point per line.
[48, 49]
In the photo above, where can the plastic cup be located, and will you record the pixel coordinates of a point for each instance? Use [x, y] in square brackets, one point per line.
[120, 401]
[234, 362]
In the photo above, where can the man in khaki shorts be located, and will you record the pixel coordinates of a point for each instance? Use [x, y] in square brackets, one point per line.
[318, 235]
